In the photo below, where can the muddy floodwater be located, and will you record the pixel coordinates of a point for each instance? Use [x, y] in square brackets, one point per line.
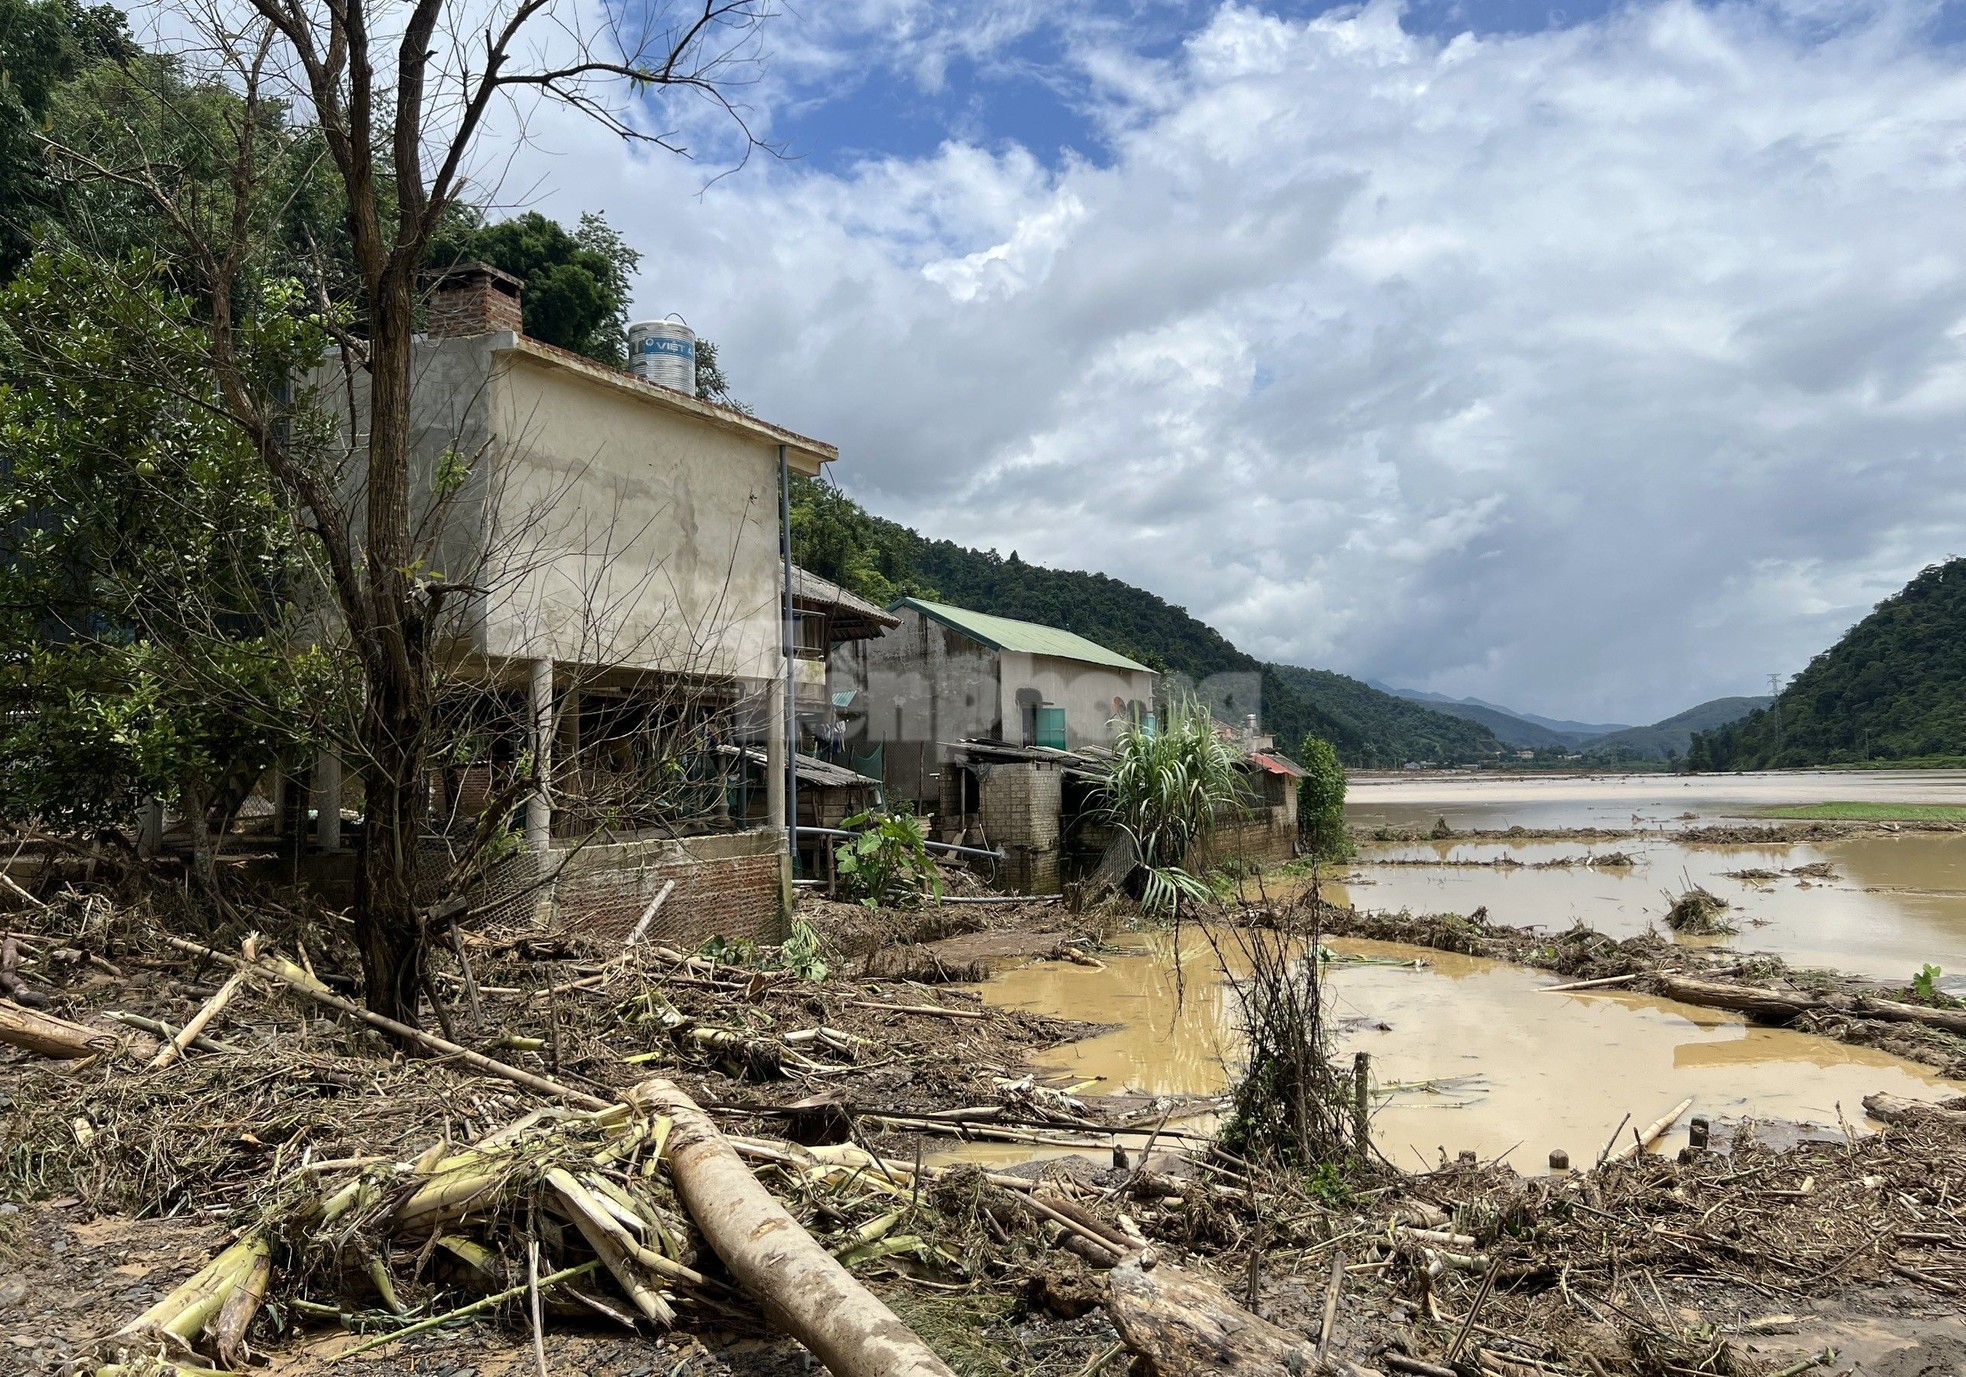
[1468, 1053]
[1890, 905]
[1620, 801]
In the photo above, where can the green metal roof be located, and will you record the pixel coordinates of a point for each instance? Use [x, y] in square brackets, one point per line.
[1007, 633]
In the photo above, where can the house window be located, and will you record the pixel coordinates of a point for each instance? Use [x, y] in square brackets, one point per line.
[809, 635]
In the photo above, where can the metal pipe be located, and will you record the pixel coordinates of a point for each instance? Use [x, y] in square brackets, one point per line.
[931, 845]
[791, 663]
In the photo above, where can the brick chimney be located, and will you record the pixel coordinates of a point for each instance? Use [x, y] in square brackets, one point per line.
[473, 299]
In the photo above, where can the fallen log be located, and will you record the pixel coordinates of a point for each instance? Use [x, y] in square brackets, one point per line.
[1177, 1324]
[1764, 1006]
[927, 1010]
[48, 1036]
[801, 1287]
[1892, 1109]
[648, 914]
[1948, 1020]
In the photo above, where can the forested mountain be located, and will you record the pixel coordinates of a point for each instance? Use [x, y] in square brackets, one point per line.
[1509, 729]
[1573, 732]
[880, 559]
[1893, 688]
[1672, 736]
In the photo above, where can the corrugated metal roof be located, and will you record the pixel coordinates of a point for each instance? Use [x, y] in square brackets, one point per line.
[1277, 763]
[1006, 633]
[810, 588]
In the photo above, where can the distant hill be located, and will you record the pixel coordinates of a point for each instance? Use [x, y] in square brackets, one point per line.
[1893, 688]
[880, 559]
[1553, 731]
[1510, 729]
[1673, 736]
[1368, 727]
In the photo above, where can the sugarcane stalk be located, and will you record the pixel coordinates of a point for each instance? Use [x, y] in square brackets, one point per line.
[235, 1316]
[477, 1307]
[470, 1252]
[873, 1229]
[886, 1247]
[611, 1242]
[185, 1312]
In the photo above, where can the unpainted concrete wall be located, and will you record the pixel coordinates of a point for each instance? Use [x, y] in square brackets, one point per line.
[1021, 806]
[920, 684]
[1086, 692]
[665, 526]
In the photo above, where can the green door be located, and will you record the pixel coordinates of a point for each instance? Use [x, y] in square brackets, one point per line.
[1051, 727]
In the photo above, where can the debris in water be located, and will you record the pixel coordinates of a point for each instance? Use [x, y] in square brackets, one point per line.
[1696, 913]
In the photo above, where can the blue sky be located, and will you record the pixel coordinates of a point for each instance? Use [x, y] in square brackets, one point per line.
[1595, 361]
[1029, 89]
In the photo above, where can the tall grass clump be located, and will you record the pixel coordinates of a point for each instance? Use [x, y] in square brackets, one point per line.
[1167, 783]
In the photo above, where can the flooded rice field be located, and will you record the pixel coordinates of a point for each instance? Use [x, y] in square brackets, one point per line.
[1470, 1054]
[1886, 905]
[1492, 802]
[1467, 1053]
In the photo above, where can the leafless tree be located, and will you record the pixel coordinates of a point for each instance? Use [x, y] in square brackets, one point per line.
[400, 99]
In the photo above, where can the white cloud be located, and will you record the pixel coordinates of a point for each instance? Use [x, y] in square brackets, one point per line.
[1596, 371]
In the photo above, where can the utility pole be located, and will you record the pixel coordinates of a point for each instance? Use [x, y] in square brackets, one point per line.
[1775, 692]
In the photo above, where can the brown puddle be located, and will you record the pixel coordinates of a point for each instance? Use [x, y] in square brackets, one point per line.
[1894, 904]
[1516, 1071]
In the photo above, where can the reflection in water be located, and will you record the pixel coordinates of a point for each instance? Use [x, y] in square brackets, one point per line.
[1896, 902]
[1528, 1071]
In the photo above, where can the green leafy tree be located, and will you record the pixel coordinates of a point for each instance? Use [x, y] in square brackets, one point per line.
[397, 112]
[147, 636]
[834, 537]
[1321, 801]
[43, 43]
[577, 282]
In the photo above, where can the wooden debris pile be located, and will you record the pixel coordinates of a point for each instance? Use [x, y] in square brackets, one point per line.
[1697, 913]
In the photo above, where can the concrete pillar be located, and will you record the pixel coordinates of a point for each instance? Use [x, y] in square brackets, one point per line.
[539, 809]
[775, 701]
[327, 801]
[775, 756]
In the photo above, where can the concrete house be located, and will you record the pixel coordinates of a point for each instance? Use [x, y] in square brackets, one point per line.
[625, 617]
[993, 725]
[945, 675]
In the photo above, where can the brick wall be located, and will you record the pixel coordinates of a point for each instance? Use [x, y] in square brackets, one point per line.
[468, 302]
[1020, 809]
[1021, 804]
[726, 886]
[1263, 836]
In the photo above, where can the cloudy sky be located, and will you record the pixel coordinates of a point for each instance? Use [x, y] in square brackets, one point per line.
[1593, 360]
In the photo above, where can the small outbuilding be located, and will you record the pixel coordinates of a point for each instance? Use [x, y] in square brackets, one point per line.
[944, 675]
